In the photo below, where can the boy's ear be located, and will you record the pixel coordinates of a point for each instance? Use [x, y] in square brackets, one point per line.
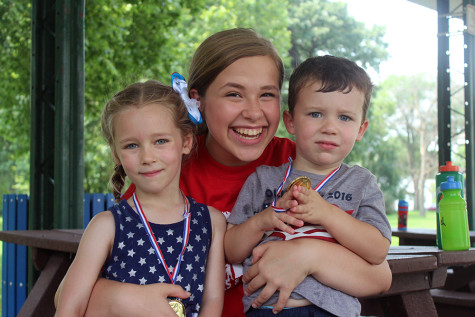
[187, 143]
[289, 122]
[362, 130]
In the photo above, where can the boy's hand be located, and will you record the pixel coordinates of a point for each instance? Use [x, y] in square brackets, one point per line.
[311, 208]
[268, 219]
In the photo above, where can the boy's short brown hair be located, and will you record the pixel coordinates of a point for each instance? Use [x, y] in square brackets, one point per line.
[335, 74]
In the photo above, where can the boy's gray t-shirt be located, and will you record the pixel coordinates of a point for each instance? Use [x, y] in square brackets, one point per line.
[353, 189]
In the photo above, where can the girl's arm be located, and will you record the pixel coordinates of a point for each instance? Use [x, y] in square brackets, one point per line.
[330, 263]
[93, 250]
[213, 296]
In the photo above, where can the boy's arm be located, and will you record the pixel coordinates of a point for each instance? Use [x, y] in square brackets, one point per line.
[93, 250]
[329, 263]
[241, 239]
[213, 296]
[358, 236]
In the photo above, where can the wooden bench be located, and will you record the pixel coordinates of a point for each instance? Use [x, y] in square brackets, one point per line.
[453, 303]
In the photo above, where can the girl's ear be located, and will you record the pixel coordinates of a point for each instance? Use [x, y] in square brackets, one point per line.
[289, 122]
[187, 143]
[195, 95]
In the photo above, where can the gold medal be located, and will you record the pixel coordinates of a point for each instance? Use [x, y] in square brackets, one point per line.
[303, 181]
[178, 307]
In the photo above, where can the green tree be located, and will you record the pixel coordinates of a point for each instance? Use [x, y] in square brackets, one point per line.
[15, 95]
[324, 27]
[415, 125]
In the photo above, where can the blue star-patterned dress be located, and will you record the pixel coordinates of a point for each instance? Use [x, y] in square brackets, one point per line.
[133, 258]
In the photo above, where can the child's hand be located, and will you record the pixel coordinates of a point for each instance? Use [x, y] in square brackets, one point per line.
[268, 219]
[311, 208]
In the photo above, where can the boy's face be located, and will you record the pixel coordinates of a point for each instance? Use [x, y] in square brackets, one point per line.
[326, 126]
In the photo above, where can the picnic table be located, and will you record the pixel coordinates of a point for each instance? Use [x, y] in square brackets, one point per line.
[420, 236]
[416, 270]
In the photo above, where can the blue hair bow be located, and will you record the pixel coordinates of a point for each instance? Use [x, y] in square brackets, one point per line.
[192, 105]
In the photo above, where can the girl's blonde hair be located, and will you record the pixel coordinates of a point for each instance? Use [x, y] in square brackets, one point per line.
[138, 95]
[224, 48]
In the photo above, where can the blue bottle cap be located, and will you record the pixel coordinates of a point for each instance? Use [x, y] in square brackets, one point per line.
[450, 184]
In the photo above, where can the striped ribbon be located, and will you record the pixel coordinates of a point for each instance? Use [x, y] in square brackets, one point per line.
[153, 240]
[318, 188]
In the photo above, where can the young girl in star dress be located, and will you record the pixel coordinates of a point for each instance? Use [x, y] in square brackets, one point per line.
[158, 235]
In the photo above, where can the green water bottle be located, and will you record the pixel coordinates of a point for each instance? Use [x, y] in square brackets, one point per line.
[445, 170]
[453, 217]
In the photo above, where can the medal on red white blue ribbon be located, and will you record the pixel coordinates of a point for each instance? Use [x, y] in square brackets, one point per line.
[175, 303]
[304, 181]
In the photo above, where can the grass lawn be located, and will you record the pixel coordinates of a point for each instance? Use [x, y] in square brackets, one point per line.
[414, 220]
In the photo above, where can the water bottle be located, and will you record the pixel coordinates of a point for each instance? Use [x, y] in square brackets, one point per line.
[446, 170]
[453, 217]
[402, 209]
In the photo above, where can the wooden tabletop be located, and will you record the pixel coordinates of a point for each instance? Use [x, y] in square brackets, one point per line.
[420, 236]
[65, 240]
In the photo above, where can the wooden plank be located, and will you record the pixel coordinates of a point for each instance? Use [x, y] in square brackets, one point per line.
[22, 253]
[57, 240]
[11, 258]
[4, 258]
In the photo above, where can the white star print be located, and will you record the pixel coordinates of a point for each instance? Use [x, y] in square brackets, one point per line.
[116, 258]
[170, 232]
[170, 249]
[189, 248]
[200, 287]
[131, 253]
[152, 269]
[195, 277]
[142, 261]
[170, 268]
[204, 230]
[122, 265]
[143, 281]
[197, 258]
[114, 274]
[151, 250]
[132, 272]
[198, 238]
[140, 242]
[139, 225]
[121, 245]
[195, 221]
[187, 287]
[161, 279]
[121, 227]
[130, 235]
[128, 219]
[179, 278]
[160, 240]
[189, 267]
[179, 239]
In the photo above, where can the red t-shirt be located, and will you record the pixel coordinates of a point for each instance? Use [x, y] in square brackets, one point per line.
[214, 184]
